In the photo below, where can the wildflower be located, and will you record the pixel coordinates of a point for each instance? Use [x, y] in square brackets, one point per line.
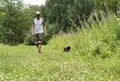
[118, 19]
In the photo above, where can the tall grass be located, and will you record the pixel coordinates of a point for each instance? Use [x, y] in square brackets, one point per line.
[100, 40]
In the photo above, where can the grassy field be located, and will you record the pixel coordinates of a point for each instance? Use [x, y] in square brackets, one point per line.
[23, 63]
[95, 56]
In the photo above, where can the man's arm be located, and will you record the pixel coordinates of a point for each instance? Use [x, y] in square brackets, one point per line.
[32, 29]
[44, 27]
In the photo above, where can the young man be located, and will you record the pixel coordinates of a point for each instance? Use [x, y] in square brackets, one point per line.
[38, 28]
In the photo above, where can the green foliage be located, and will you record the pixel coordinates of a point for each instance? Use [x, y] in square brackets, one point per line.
[16, 20]
[66, 13]
[69, 14]
[100, 40]
[107, 5]
[29, 40]
[94, 55]
[13, 22]
[59, 15]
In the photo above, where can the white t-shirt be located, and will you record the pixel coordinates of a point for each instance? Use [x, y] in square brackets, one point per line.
[38, 26]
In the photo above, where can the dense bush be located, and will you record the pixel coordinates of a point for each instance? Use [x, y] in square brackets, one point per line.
[13, 22]
[29, 40]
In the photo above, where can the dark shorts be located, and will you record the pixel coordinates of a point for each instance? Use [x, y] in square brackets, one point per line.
[38, 38]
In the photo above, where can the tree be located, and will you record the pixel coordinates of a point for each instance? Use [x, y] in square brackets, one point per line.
[13, 22]
[64, 13]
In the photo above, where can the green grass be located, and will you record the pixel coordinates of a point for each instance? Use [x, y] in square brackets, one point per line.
[23, 63]
[95, 56]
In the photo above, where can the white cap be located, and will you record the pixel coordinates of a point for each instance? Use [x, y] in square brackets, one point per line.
[37, 12]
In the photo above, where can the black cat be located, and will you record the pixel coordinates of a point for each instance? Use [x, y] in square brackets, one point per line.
[67, 49]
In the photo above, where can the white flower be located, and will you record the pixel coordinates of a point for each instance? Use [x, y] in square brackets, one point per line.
[2, 78]
[118, 19]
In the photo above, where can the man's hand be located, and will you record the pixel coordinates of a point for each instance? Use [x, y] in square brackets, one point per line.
[32, 34]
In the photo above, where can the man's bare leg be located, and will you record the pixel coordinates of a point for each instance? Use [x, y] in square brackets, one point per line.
[39, 48]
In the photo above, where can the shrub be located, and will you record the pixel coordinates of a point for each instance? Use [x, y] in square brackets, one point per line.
[29, 40]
